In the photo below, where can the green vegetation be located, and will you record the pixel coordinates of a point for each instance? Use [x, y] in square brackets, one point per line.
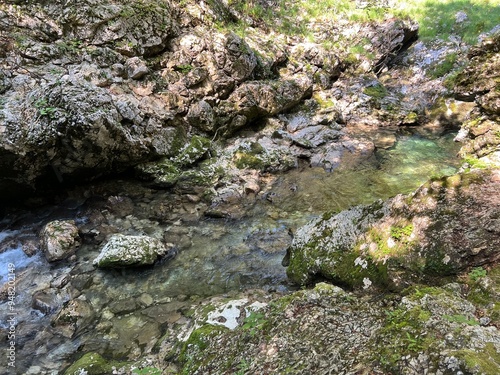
[377, 91]
[444, 67]
[147, 371]
[461, 319]
[403, 334]
[485, 361]
[477, 273]
[437, 19]
[400, 232]
[254, 322]
[191, 353]
[475, 163]
[184, 68]
[44, 109]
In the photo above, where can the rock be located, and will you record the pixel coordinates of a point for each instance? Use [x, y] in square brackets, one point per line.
[45, 302]
[480, 76]
[443, 228]
[59, 239]
[201, 116]
[256, 99]
[91, 364]
[136, 68]
[76, 316]
[120, 206]
[360, 332]
[128, 251]
[389, 38]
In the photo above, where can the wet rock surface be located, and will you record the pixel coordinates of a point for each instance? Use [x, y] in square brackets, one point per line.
[59, 239]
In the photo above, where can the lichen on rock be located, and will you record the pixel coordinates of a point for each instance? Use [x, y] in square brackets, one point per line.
[126, 251]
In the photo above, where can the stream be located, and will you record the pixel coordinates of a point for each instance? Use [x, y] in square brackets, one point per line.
[125, 312]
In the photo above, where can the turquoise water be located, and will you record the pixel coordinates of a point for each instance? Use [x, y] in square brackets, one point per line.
[400, 169]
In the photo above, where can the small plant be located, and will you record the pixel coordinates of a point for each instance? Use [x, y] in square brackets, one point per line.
[444, 67]
[254, 322]
[399, 232]
[377, 91]
[461, 319]
[477, 273]
[184, 68]
[243, 366]
[44, 109]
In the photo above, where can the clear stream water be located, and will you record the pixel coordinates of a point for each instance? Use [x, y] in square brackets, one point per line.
[221, 255]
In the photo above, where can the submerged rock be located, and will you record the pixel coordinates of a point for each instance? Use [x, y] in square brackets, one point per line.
[126, 251]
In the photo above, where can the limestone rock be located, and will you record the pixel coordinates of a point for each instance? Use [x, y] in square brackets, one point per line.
[262, 98]
[126, 251]
[59, 239]
[136, 68]
[443, 228]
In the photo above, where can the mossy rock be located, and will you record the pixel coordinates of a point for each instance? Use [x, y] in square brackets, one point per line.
[94, 364]
[164, 172]
[193, 152]
[484, 361]
[191, 355]
[377, 91]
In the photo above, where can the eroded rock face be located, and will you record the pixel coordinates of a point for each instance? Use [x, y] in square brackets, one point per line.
[479, 83]
[59, 239]
[443, 228]
[126, 251]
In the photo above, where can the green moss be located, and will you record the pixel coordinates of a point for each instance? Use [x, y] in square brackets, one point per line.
[485, 361]
[403, 334]
[244, 160]
[184, 68]
[443, 67]
[194, 151]
[462, 319]
[377, 91]
[399, 233]
[475, 162]
[411, 118]
[94, 364]
[191, 354]
[147, 371]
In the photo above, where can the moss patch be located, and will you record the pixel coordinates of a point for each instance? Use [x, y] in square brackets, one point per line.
[94, 364]
[191, 355]
[377, 91]
[485, 361]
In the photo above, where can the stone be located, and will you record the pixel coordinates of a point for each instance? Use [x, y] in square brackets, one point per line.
[59, 239]
[201, 115]
[74, 317]
[129, 251]
[426, 231]
[45, 302]
[136, 68]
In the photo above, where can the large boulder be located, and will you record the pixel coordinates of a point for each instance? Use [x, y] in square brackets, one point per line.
[256, 99]
[445, 227]
[126, 251]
